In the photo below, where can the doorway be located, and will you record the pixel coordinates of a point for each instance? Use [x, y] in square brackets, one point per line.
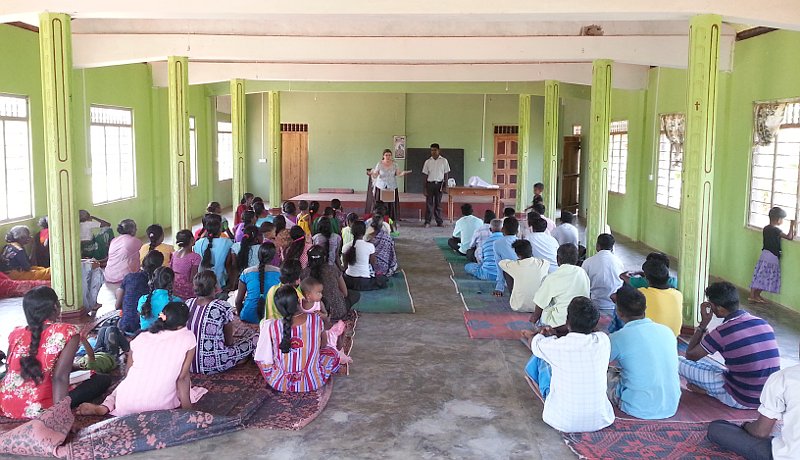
[571, 174]
[294, 160]
[506, 143]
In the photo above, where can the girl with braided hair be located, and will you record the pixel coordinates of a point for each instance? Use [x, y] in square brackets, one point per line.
[247, 250]
[300, 244]
[40, 359]
[150, 305]
[185, 263]
[338, 299]
[331, 241]
[133, 287]
[155, 233]
[215, 251]
[292, 352]
[254, 283]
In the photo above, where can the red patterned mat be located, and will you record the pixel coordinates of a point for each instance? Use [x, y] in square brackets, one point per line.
[494, 325]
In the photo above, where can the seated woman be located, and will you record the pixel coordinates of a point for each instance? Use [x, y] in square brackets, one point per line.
[385, 257]
[40, 254]
[123, 253]
[245, 205]
[215, 251]
[40, 359]
[330, 214]
[299, 246]
[158, 369]
[248, 218]
[337, 298]
[290, 276]
[14, 260]
[155, 233]
[328, 239]
[359, 262]
[254, 283]
[261, 213]
[96, 236]
[160, 295]
[135, 286]
[289, 213]
[185, 263]
[292, 352]
[211, 321]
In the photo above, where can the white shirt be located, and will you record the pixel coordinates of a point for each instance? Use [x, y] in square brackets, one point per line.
[528, 275]
[87, 229]
[465, 229]
[577, 401]
[544, 247]
[780, 400]
[603, 269]
[436, 169]
[361, 268]
[387, 176]
[551, 224]
[566, 233]
[557, 291]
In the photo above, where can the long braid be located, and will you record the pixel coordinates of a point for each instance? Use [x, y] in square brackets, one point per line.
[147, 306]
[30, 366]
[39, 305]
[262, 299]
[287, 303]
[212, 223]
[359, 228]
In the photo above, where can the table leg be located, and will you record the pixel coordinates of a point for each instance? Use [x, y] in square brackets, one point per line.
[450, 206]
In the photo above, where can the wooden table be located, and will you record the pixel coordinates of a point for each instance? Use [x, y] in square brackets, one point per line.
[473, 191]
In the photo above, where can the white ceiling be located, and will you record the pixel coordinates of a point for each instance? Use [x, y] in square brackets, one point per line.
[391, 41]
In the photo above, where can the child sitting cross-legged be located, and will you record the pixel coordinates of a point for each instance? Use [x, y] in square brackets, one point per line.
[150, 305]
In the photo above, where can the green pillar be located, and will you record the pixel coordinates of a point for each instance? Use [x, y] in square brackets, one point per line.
[523, 149]
[552, 104]
[55, 47]
[597, 208]
[274, 124]
[238, 126]
[179, 143]
[698, 162]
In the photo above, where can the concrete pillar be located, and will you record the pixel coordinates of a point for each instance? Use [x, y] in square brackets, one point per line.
[274, 124]
[698, 162]
[523, 152]
[55, 47]
[238, 126]
[597, 208]
[179, 143]
[552, 105]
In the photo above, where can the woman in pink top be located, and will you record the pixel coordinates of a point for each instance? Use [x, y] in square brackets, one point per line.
[158, 369]
[123, 253]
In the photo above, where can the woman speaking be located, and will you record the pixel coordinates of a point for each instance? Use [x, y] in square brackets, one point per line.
[384, 177]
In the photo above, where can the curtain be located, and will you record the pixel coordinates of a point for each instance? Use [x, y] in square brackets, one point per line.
[674, 127]
[768, 117]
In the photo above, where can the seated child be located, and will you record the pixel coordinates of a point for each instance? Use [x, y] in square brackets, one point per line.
[185, 263]
[155, 233]
[290, 276]
[150, 305]
[360, 262]
[134, 286]
[216, 209]
[311, 303]
[254, 283]
[637, 278]
[14, 260]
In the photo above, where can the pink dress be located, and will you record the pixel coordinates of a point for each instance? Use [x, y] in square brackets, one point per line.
[123, 258]
[182, 266]
[150, 383]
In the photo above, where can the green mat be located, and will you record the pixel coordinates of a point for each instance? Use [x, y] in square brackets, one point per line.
[448, 253]
[396, 298]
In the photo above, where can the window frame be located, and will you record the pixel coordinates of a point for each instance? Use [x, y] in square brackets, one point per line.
[132, 127]
[661, 134]
[31, 188]
[219, 168]
[611, 133]
[194, 170]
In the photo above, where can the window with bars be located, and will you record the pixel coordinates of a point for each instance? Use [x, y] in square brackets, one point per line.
[16, 194]
[670, 168]
[775, 173]
[192, 153]
[617, 156]
[224, 150]
[113, 165]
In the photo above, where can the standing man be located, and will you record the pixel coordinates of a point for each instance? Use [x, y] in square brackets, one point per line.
[436, 170]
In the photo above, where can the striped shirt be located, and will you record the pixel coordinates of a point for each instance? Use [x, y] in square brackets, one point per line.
[751, 354]
[488, 267]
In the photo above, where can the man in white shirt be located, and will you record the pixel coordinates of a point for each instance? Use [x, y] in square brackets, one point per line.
[464, 230]
[576, 364]
[566, 232]
[436, 170]
[604, 269]
[559, 288]
[544, 246]
[479, 237]
[527, 273]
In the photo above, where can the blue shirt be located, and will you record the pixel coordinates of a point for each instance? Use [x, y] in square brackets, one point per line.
[647, 354]
[488, 268]
[220, 250]
[503, 251]
[249, 277]
[158, 301]
[134, 285]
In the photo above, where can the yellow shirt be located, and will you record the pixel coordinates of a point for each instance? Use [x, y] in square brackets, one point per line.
[165, 249]
[664, 306]
[271, 311]
[302, 222]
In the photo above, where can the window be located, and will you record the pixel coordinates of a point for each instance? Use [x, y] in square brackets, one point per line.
[670, 161]
[192, 153]
[617, 156]
[16, 197]
[224, 150]
[113, 166]
[776, 172]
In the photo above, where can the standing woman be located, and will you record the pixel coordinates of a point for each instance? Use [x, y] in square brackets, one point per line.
[384, 177]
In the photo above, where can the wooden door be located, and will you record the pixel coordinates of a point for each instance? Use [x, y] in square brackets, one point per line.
[505, 165]
[294, 160]
[571, 174]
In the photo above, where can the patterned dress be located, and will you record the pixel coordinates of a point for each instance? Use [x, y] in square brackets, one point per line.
[385, 257]
[21, 398]
[207, 322]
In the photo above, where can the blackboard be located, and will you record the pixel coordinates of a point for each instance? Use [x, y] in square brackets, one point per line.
[415, 158]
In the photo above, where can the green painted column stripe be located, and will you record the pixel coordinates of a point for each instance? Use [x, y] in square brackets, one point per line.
[523, 149]
[597, 208]
[274, 123]
[552, 105]
[698, 162]
[238, 127]
[55, 46]
[178, 91]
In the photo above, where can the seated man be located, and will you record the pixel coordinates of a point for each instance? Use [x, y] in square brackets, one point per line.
[504, 251]
[527, 272]
[604, 269]
[647, 385]
[480, 236]
[464, 229]
[664, 304]
[544, 246]
[578, 363]
[746, 342]
[559, 288]
[487, 268]
[566, 232]
[780, 400]
[637, 279]
[540, 209]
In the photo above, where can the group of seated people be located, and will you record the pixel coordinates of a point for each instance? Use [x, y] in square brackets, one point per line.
[174, 315]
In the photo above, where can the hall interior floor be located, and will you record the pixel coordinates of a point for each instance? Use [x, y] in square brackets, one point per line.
[419, 387]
